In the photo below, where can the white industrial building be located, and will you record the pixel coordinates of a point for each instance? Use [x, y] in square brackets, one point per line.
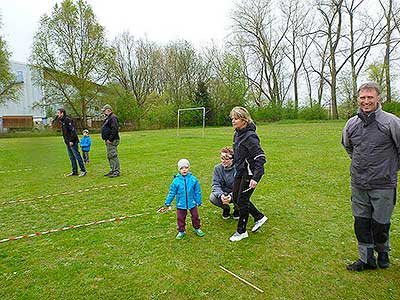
[29, 95]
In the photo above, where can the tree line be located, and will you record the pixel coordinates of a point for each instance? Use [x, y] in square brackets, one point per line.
[290, 59]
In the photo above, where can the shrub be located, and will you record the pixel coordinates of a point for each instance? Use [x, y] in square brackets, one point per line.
[270, 113]
[392, 107]
[316, 112]
[160, 116]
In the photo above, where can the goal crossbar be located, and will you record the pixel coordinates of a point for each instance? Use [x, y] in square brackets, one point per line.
[192, 108]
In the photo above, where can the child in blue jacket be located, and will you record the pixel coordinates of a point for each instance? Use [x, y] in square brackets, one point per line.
[85, 143]
[186, 188]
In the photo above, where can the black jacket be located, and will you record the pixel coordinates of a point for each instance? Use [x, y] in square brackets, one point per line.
[68, 130]
[249, 157]
[109, 130]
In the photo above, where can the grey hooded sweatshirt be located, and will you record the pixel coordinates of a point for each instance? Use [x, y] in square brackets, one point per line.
[373, 144]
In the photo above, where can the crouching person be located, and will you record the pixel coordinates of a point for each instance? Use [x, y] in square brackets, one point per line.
[222, 184]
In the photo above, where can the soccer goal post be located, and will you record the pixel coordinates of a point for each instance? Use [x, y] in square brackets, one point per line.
[192, 108]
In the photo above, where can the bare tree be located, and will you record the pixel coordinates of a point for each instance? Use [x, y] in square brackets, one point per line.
[364, 34]
[331, 12]
[181, 71]
[262, 38]
[390, 14]
[136, 66]
[318, 63]
[299, 37]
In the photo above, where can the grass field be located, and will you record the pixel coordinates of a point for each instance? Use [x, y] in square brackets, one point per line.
[300, 253]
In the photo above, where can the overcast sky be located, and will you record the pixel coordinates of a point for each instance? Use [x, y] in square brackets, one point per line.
[198, 21]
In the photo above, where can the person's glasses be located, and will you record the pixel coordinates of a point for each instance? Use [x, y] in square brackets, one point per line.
[226, 157]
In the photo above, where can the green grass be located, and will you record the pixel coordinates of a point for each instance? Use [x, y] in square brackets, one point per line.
[300, 253]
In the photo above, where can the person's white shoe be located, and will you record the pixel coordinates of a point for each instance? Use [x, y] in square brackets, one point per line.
[238, 236]
[259, 223]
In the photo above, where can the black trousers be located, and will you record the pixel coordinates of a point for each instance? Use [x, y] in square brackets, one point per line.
[241, 198]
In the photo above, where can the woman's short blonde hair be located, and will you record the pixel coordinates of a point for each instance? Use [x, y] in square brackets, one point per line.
[241, 113]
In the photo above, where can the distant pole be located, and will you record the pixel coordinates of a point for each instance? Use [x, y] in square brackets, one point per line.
[192, 108]
[204, 120]
[177, 132]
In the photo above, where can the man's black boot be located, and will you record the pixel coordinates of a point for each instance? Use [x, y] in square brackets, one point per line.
[383, 260]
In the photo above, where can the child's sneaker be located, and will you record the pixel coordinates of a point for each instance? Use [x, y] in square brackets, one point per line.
[180, 235]
[199, 232]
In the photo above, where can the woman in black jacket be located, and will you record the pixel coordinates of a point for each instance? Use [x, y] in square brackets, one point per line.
[249, 160]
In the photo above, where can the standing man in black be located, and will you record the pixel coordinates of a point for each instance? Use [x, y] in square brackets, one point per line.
[109, 133]
[372, 140]
[72, 141]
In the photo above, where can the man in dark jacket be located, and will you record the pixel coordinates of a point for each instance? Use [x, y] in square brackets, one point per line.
[109, 133]
[71, 140]
[372, 140]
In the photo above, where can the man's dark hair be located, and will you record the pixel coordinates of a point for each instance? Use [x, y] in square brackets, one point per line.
[62, 110]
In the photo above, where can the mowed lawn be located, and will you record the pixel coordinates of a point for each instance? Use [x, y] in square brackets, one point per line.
[301, 253]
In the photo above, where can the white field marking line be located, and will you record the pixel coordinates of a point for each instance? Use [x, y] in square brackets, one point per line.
[14, 171]
[65, 193]
[243, 280]
[25, 236]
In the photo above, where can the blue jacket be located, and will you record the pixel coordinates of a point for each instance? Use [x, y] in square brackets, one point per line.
[85, 142]
[187, 191]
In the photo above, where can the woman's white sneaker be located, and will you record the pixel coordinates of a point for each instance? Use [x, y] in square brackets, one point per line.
[259, 223]
[238, 236]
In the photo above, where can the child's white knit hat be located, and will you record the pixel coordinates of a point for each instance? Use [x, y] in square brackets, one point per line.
[183, 163]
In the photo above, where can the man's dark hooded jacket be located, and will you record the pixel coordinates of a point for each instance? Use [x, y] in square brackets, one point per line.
[68, 130]
[109, 131]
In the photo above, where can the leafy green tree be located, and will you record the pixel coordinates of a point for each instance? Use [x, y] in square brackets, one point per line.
[203, 99]
[9, 88]
[228, 88]
[180, 72]
[377, 73]
[71, 56]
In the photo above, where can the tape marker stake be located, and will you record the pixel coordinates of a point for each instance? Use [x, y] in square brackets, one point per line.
[241, 279]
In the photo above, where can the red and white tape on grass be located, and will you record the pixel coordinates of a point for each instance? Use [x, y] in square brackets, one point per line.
[66, 193]
[25, 236]
[15, 171]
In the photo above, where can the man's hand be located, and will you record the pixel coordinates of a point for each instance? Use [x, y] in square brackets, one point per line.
[109, 142]
[225, 199]
[70, 144]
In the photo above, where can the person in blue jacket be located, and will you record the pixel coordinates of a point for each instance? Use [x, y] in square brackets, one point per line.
[85, 143]
[186, 189]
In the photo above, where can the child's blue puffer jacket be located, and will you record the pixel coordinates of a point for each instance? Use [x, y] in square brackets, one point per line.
[187, 191]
